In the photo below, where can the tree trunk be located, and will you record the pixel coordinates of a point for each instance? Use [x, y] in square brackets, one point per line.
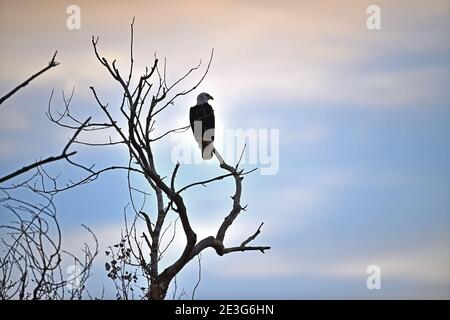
[158, 290]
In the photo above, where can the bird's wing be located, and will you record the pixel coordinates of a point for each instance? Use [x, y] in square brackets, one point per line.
[192, 117]
[209, 119]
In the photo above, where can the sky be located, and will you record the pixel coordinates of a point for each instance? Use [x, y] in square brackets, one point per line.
[361, 156]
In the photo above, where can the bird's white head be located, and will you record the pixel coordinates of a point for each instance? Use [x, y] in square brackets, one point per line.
[203, 98]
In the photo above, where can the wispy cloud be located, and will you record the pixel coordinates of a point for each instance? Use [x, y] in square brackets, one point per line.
[428, 265]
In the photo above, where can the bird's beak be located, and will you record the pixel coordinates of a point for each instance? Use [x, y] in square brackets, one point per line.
[211, 98]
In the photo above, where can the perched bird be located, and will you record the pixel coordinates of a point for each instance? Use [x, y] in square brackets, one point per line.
[202, 123]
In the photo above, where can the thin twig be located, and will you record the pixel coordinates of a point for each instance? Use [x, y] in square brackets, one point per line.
[199, 256]
[50, 65]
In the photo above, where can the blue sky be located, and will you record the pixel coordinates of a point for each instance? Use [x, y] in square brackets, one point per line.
[363, 116]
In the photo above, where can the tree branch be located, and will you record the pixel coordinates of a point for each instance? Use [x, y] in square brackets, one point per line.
[63, 155]
[50, 65]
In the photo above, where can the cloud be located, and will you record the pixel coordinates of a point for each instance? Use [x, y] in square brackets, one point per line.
[7, 148]
[14, 121]
[416, 265]
[429, 265]
[306, 52]
[75, 236]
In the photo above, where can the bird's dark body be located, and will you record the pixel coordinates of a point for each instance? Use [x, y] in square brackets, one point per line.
[202, 117]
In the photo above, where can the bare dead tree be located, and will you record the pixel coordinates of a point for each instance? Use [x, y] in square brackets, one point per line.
[139, 254]
[32, 255]
[31, 252]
